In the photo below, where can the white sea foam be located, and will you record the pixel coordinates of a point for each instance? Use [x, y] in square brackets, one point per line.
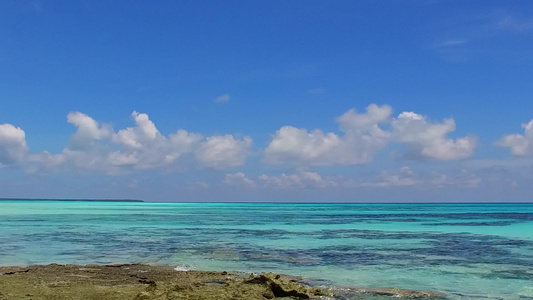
[183, 268]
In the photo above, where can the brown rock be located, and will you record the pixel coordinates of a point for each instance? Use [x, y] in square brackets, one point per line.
[285, 287]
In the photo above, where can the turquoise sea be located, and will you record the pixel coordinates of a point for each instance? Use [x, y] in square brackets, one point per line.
[467, 251]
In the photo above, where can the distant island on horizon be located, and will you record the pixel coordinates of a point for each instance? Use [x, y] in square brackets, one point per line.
[71, 200]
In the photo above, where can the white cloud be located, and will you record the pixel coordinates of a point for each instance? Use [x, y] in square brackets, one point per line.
[404, 177]
[499, 163]
[353, 121]
[513, 23]
[136, 137]
[88, 131]
[97, 147]
[183, 141]
[299, 180]
[450, 43]
[298, 145]
[521, 145]
[144, 147]
[221, 152]
[238, 180]
[45, 160]
[13, 146]
[429, 140]
[453, 49]
[139, 147]
[363, 138]
[464, 179]
[67, 160]
[222, 99]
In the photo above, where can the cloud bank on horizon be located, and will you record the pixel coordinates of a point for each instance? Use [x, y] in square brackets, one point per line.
[97, 147]
[363, 137]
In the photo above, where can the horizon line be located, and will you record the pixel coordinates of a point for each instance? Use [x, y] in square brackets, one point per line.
[247, 202]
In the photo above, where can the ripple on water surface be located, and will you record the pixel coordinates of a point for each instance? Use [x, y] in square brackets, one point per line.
[466, 251]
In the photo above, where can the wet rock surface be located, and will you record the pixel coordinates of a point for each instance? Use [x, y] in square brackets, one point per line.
[144, 282]
[285, 287]
[349, 293]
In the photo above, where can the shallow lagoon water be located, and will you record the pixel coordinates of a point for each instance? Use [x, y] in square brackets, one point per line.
[468, 251]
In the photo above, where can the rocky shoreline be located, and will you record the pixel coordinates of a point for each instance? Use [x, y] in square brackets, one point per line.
[146, 282]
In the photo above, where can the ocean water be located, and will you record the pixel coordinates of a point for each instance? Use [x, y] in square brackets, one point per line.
[467, 251]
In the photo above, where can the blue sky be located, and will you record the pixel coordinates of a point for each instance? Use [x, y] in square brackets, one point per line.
[252, 100]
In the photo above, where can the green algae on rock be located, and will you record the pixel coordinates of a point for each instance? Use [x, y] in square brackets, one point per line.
[144, 282]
